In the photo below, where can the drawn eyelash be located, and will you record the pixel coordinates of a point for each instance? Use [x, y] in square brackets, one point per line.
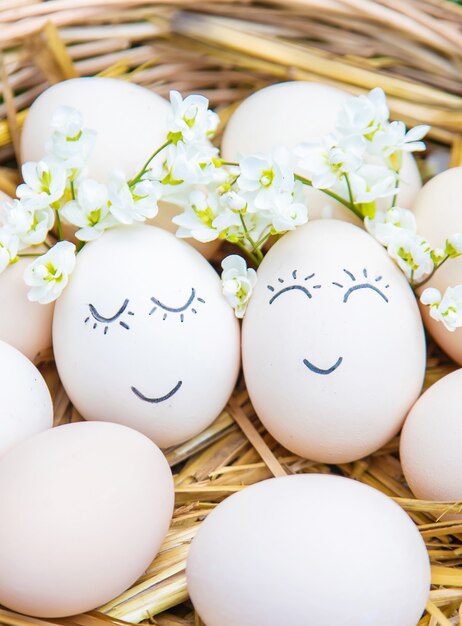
[362, 285]
[178, 310]
[107, 321]
[293, 287]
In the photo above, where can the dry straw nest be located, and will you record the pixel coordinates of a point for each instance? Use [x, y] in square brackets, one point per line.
[225, 50]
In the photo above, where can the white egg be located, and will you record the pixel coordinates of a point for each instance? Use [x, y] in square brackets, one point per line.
[85, 508]
[25, 325]
[277, 553]
[25, 403]
[130, 121]
[333, 346]
[294, 112]
[430, 445]
[143, 335]
[438, 215]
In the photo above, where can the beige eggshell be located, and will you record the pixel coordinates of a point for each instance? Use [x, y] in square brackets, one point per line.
[25, 325]
[333, 343]
[438, 215]
[130, 121]
[293, 112]
[275, 554]
[25, 403]
[431, 442]
[85, 508]
[143, 335]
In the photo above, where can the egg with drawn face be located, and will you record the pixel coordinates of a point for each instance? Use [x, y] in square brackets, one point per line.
[333, 343]
[144, 337]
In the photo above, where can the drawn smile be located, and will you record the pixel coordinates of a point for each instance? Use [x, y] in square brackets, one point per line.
[318, 370]
[167, 396]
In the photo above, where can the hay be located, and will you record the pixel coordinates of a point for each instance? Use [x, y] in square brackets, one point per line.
[226, 50]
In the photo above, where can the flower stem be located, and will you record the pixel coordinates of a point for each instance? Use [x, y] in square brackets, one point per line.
[80, 245]
[143, 171]
[72, 190]
[350, 193]
[30, 254]
[348, 205]
[258, 253]
[435, 269]
[249, 253]
[395, 197]
[59, 225]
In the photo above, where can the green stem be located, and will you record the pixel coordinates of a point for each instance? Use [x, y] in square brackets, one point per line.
[435, 269]
[395, 197]
[249, 253]
[72, 190]
[348, 205]
[30, 254]
[350, 193]
[80, 245]
[256, 250]
[46, 244]
[143, 171]
[59, 225]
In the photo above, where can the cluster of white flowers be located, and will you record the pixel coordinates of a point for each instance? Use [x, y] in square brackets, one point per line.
[245, 202]
[361, 160]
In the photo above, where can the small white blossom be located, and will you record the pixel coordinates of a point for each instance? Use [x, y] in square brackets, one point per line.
[49, 274]
[71, 143]
[387, 224]
[45, 183]
[363, 115]
[447, 308]
[413, 254]
[121, 202]
[90, 212]
[145, 195]
[31, 226]
[237, 282]
[454, 246]
[327, 161]
[197, 219]
[393, 138]
[287, 214]
[372, 182]
[262, 177]
[9, 246]
[190, 120]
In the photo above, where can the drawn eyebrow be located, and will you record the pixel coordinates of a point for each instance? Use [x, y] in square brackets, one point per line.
[176, 309]
[101, 318]
[290, 288]
[364, 286]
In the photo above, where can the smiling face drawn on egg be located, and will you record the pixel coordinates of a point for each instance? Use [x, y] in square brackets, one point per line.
[107, 321]
[333, 344]
[143, 335]
[305, 288]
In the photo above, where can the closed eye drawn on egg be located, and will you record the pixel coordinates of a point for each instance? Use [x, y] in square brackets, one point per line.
[293, 287]
[160, 399]
[362, 285]
[107, 321]
[176, 310]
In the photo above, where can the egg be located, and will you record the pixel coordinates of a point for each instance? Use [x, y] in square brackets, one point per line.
[293, 112]
[25, 325]
[25, 403]
[276, 553]
[130, 122]
[438, 216]
[430, 445]
[85, 508]
[333, 346]
[143, 335]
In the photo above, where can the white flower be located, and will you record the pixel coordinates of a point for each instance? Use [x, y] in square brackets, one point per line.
[71, 143]
[387, 224]
[197, 221]
[9, 246]
[413, 254]
[237, 283]
[327, 161]
[45, 182]
[190, 119]
[287, 214]
[446, 309]
[121, 202]
[454, 246]
[372, 182]
[145, 195]
[363, 115]
[49, 274]
[394, 138]
[31, 226]
[264, 176]
[90, 212]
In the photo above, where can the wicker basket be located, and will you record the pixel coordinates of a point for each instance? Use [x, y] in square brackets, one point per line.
[226, 50]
